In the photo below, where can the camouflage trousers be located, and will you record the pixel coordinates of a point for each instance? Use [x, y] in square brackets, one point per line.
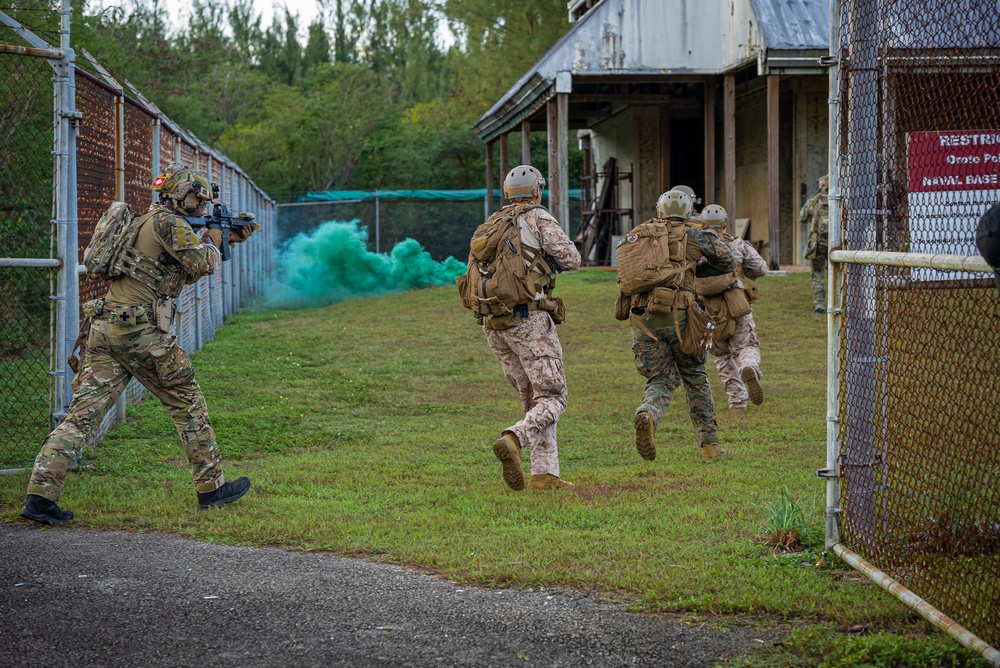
[664, 366]
[739, 351]
[115, 353]
[531, 357]
[819, 279]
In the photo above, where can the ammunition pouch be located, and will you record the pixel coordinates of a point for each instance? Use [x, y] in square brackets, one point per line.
[713, 285]
[623, 306]
[697, 335]
[164, 312]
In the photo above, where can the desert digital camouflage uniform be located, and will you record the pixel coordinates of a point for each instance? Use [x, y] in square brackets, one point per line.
[816, 211]
[742, 349]
[531, 356]
[658, 355]
[124, 342]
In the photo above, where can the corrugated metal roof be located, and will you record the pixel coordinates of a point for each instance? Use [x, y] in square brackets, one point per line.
[794, 24]
[664, 37]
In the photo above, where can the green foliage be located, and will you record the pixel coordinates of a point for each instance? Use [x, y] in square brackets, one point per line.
[371, 98]
[788, 525]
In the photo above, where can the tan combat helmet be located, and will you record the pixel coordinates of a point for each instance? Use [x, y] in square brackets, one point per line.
[523, 182]
[689, 191]
[188, 189]
[823, 182]
[674, 204]
[713, 217]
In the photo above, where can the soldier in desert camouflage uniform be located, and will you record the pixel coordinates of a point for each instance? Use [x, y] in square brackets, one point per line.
[816, 211]
[656, 346]
[529, 352]
[125, 341]
[737, 358]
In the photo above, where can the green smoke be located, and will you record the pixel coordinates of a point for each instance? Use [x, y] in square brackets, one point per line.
[331, 264]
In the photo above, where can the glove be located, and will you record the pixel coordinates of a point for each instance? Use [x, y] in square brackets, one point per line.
[213, 236]
[240, 233]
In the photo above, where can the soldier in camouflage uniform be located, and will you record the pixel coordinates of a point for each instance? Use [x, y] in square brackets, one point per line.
[816, 212]
[127, 340]
[529, 352]
[656, 346]
[737, 359]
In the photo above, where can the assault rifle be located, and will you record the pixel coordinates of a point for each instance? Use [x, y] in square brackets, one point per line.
[221, 219]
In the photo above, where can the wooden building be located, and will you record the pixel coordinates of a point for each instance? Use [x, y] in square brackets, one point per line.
[729, 97]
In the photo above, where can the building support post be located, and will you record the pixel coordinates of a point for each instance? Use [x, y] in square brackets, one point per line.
[729, 148]
[526, 142]
[488, 204]
[773, 171]
[504, 163]
[710, 195]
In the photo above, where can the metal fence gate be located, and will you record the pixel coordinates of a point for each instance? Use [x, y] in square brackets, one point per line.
[66, 152]
[914, 426]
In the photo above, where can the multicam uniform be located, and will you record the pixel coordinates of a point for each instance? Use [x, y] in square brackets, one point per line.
[742, 349]
[124, 342]
[658, 355]
[817, 212]
[530, 354]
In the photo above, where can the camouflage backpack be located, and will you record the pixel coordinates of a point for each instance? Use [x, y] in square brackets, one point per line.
[502, 272]
[115, 231]
[652, 255]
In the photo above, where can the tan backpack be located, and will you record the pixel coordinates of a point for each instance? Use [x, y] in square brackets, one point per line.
[652, 255]
[502, 272]
[115, 231]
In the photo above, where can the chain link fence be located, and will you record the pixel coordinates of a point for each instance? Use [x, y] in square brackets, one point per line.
[915, 424]
[442, 227]
[69, 146]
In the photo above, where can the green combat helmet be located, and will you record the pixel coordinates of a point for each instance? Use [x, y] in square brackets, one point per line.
[523, 182]
[186, 188]
[689, 191]
[713, 217]
[674, 204]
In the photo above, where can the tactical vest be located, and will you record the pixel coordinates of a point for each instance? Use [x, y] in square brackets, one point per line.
[111, 253]
[723, 299]
[503, 272]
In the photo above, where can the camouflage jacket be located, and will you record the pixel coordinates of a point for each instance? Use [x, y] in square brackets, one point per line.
[816, 212]
[170, 240]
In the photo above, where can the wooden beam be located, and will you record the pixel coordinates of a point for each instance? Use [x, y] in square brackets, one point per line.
[504, 160]
[489, 179]
[562, 153]
[665, 176]
[729, 146]
[710, 142]
[552, 141]
[773, 171]
[526, 142]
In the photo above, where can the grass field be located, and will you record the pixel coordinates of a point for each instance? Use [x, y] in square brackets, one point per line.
[366, 427]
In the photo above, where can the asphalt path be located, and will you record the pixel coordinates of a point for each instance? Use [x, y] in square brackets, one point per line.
[77, 597]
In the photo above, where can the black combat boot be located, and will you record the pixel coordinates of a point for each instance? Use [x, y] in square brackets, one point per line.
[40, 509]
[229, 492]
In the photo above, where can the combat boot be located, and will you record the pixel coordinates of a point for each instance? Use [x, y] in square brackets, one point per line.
[750, 378]
[711, 451]
[507, 448]
[548, 481]
[229, 492]
[645, 436]
[40, 509]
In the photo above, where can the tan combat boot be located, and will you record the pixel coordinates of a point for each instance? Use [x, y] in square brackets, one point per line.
[548, 481]
[507, 448]
[645, 436]
[711, 451]
[752, 381]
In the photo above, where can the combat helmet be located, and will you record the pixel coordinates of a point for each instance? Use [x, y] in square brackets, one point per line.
[185, 187]
[823, 182]
[689, 191]
[674, 204]
[713, 217]
[523, 182]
